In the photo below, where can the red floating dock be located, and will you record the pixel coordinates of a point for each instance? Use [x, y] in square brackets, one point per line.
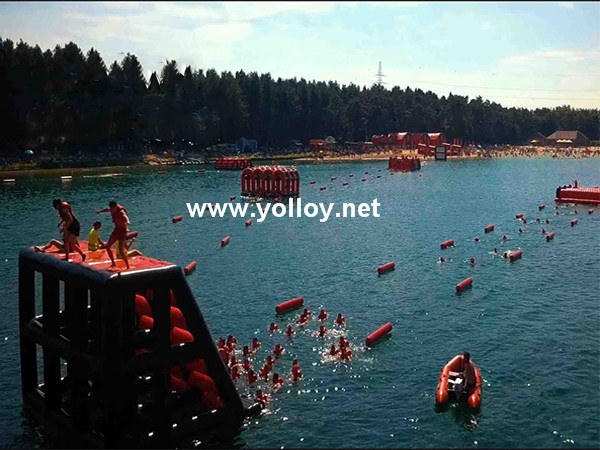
[464, 284]
[290, 305]
[388, 267]
[378, 334]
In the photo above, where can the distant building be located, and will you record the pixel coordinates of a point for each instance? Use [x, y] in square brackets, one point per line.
[247, 145]
[568, 139]
[537, 139]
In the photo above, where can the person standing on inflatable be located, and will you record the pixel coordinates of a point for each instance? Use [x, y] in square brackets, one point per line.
[70, 226]
[468, 372]
[119, 234]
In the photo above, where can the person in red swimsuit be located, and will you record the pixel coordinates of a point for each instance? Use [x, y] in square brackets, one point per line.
[119, 234]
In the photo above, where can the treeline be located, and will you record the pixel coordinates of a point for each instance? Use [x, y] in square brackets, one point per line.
[69, 100]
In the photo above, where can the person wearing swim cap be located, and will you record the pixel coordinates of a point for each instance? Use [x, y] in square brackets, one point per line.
[235, 373]
[277, 382]
[261, 398]
[246, 364]
[333, 351]
[340, 320]
[322, 331]
[322, 314]
[278, 350]
[231, 342]
[289, 331]
[296, 370]
[251, 377]
[472, 261]
[273, 327]
[302, 320]
[255, 344]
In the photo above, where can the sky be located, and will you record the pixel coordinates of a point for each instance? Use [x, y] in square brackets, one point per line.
[530, 54]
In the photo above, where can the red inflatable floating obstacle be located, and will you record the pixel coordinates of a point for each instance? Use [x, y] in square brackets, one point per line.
[225, 241]
[549, 236]
[520, 216]
[574, 222]
[542, 207]
[446, 244]
[515, 255]
[177, 219]
[290, 305]
[378, 334]
[248, 222]
[464, 284]
[388, 267]
[489, 228]
[190, 268]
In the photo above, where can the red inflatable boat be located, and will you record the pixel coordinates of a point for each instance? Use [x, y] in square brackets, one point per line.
[449, 388]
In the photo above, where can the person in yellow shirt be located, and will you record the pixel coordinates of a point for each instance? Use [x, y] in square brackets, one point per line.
[94, 241]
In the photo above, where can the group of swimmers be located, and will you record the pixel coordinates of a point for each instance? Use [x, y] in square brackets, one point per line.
[71, 228]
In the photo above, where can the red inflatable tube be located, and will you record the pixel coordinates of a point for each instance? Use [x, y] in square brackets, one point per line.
[464, 284]
[131, 235]
[180, 336]
[541, 207]
[323, 188]
[225, 241]
[248, 222]
[519, 216]
[378, 334]
[333, 178]
[549, 236]
[345, 183]
[177, 219]
[489, 228]
[162, 172]
[313, 182]
[386, 268]
[294, 303]
[446, 244]
[190, 268]
[232, 198]
[574, 222]
[515, 255]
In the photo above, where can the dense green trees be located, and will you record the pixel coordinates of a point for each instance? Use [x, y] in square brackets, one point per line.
[70, 101]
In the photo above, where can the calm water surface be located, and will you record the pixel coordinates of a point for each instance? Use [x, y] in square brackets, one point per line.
[532, 326]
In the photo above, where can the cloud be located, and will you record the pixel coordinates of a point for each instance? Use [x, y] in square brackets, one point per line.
[568, 5]
[565, 55]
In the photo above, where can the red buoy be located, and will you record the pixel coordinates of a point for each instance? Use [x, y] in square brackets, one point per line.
[378, 334]
[162, 172]
[489, 228]
[225, 241]
[345, 183]
[201, 170]
[333, 178]
[574, 222]
[520, 216]
[248, 222]
[190, 268]
[291, 304]
[313, 182]
[550, 236]
[323, 188]
[542, 207]
[131, 235]
[386, 267]
[464, 284]
[232, 198]
[515, 255]
[177, 219]
[446, 244]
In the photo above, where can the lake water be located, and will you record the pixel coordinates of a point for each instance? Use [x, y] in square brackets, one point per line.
[532, 326]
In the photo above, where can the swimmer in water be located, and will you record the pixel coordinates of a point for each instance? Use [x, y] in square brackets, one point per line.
[504, 237]
[476, 239]
[302, 320]
[289, 331]
[333, 351]
[322, 331]
[543, 231]
[278, 350]
[277, 382]
[306, 312]
[576, 212]
[251, 376]
[520, 231]
[231, 342]
[323, 314]
[346, 354]
[442, 260]
[273, 327]
[246, 364]
[472, 261]
[234, 362]
[524, 220]
[340, 320]
[255, 344]
[261, 398]
[537, 219]
[547, 221]
[246, 351]
[235, 373]
[344, 342]
[505, 255]
[296, 370]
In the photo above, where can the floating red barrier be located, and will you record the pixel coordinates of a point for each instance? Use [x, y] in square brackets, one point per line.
[180, 336]
[464, 284]
[378, 334]
[550, 236]
[323, 188]
[248, 222]
[201, 170]
[346, 184]
[515, 255]
[520, 216]
[177, 219]
[386, 267]
[446, 244]
[333, 178]
[225, 241]
[590, 211]
[291, 304]
[541, 207]
[190, 268]
[131, 235]
[313, 182]
[351, 175]
[364, 179]
[232, 198]
[162, 172]
[489, 228]
[574, 222]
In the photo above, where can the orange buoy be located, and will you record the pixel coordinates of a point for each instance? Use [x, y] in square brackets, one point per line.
[177, 319]
[190, 268]
[464, 284]
[180, 336]
[489, 228]
[225, 241]
[515, 255]
[131, 235]
[388, 267]
[232, 198]
[142, 306]
[145, 323]
[541, 207]
[378, 334]
[290, 305]
[248, 222]
[446, 244]
[574, 222]
[177, 219]
[520, 216]
[550, 236]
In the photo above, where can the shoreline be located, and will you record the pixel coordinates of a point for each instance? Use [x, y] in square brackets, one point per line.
[327, 159]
